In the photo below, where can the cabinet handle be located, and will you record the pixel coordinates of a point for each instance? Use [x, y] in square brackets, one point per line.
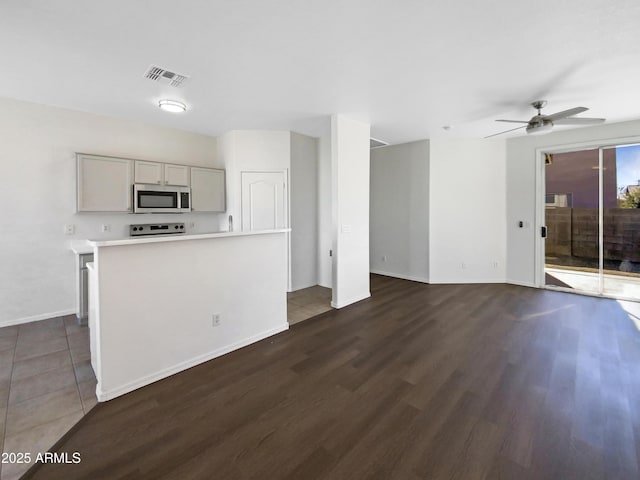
[158, 181]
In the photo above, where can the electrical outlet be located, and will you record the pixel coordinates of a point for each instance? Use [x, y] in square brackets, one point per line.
[106, 228]
[215, 320]
[495, 264]
[192, 224]
[464, 266]
[69, 229]
[384, 258]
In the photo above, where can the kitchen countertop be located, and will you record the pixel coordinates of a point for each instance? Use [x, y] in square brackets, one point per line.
[176, 238]
[80, 247]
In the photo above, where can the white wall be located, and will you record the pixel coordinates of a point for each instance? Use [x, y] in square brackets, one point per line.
[521, 188]
[304, 211]
[37, 154]
[144, 335]
[251, 150]
[350, 205]
[399, 217]
[254, 151]
[467, 211]
[325, 220]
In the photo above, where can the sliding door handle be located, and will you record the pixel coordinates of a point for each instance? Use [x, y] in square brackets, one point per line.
[543, 231]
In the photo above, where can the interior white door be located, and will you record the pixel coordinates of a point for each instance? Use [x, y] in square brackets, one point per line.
[264, 200]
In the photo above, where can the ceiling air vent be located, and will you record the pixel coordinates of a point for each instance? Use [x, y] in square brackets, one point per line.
[375, 143]
[159, 74]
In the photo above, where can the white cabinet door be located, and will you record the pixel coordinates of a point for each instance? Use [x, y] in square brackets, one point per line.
[104, 184]
[264, 200]
[207, 190]
[176, 175]
[149, 172]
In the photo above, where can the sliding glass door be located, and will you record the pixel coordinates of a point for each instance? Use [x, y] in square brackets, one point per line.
[592, 214]
[621, 226]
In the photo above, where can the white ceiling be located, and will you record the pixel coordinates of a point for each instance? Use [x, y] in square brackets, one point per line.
[407, 67]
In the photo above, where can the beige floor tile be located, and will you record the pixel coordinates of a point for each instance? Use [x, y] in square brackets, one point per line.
[26, 349]
[71, 325]
[80, 354]
[43, 409]
[43, 363]
[3, 417]
[297, 316]
[6, 365]
[7, 343]
[40, 331]
[84, 371]
[307, 303]
[54, 322]
[41, 384]
[4, 396]
[310, 311]
[88, 394]
[78, 339]
[9, 331]
[36, 440]
[47, 389]
[318, 309]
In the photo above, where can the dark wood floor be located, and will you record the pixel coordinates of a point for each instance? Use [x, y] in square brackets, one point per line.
[419, 381]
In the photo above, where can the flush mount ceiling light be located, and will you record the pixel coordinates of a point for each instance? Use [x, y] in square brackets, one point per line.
[172, 106]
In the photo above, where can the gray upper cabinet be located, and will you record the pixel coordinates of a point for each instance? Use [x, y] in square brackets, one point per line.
[176, 175]
[148, 172]
[161, 173]
[208, 192]
[104, 184]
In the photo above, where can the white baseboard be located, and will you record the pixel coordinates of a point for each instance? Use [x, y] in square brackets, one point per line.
[350, 301]
[467, 280]
[103, 396]
[295, 288]
[36, 318]
[403, 277]
[522, 284]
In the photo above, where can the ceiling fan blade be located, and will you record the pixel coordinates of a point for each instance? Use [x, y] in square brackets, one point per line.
[506, 131]
[578, 121]
[513, 121]
[565, 113]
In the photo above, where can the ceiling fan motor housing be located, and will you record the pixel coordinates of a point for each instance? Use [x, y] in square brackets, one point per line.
[539, 125]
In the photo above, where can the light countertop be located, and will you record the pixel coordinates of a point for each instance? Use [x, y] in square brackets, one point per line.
[176, 238]
[80, 247]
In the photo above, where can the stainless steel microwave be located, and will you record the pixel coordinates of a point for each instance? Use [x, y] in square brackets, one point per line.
[161, 199]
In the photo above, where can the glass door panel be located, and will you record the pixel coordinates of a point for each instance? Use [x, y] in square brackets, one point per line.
[572, 200]
[621, 221]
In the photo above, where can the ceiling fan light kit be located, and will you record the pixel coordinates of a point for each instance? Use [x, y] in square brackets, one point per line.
[539, 128]
[541, 124]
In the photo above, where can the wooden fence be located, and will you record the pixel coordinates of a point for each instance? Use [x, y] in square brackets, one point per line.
[574, 232]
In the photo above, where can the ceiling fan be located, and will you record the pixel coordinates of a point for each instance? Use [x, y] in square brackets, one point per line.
[540, 123]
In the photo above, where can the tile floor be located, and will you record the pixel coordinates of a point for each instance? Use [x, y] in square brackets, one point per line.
[46, 385]
[307, 303]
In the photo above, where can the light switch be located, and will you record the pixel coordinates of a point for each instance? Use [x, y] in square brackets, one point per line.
[345, 228]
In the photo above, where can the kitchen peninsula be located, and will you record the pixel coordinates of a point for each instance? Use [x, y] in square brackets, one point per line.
[160, 305]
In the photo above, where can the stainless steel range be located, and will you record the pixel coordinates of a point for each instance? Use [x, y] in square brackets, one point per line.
[156, 229]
